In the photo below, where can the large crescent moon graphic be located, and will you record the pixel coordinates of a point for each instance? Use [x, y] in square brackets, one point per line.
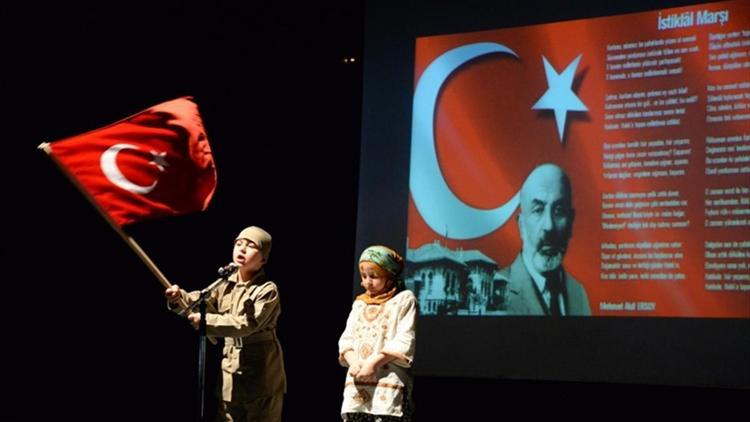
[108, 162]
[438, 205]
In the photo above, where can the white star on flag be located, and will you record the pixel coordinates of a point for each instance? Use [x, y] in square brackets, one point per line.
[559, 96]
[159, 160]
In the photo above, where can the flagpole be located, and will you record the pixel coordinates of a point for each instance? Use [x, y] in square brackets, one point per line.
[45, 146]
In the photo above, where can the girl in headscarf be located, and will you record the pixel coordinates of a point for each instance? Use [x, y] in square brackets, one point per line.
[377, 344]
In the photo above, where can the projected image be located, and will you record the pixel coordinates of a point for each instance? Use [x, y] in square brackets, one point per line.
[597, 167]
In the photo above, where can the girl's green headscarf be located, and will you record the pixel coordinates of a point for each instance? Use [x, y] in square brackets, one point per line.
[386, 258]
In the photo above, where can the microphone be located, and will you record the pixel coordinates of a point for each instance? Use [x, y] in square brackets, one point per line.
[228, 269]
[224, 272]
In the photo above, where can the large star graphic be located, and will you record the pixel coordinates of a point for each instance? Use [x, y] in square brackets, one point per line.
[559, 95]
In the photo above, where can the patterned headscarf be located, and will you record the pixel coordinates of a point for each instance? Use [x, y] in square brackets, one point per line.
[386, 258]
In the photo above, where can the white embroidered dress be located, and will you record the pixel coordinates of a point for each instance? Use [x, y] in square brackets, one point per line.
[388, 328]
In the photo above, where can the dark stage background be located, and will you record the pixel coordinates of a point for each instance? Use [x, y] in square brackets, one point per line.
[87, 335]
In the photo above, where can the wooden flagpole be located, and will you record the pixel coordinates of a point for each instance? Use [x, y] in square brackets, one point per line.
[44, 146]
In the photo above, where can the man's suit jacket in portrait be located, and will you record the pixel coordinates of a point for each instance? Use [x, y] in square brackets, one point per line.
[523, 299]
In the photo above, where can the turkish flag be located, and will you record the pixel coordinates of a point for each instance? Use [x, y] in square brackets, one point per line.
[153, 164]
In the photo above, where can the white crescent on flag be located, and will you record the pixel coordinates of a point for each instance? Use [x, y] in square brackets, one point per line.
[112, 172]
[440, 208]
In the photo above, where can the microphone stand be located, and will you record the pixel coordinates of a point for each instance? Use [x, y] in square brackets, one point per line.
[201, 304]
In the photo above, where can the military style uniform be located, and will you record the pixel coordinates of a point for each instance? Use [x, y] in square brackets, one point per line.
[253, 380]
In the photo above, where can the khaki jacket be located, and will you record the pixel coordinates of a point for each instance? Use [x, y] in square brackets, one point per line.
[252, 364]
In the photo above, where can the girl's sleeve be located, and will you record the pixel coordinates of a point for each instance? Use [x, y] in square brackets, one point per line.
[346, 341]
[401, 346]
[255, 315]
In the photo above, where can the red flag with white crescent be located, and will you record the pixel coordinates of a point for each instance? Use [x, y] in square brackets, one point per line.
[154, 164]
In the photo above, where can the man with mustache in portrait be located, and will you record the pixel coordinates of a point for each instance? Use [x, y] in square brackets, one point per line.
[537, 282]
